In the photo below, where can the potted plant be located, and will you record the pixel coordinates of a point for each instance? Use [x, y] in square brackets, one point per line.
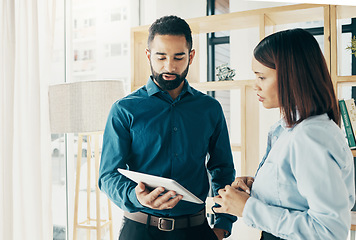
[353, 46]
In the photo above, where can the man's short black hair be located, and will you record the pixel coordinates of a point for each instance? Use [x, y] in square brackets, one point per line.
[170, 25]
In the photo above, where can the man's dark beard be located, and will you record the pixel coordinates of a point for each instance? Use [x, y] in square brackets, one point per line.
[167, 85]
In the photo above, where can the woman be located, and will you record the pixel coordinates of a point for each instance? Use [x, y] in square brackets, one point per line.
[304, 186]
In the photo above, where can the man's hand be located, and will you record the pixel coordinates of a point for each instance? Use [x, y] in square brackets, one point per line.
[152, 199]
[219, 233]
[243, 184]
[231, 200]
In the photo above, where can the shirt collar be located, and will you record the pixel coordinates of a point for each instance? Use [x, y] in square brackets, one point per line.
[283, 123]
[152, 88]
[187, 87]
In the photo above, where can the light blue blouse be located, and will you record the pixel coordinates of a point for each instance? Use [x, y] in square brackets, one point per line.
[304, 187]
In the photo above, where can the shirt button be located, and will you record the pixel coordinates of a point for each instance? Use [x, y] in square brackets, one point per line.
[175, 129]
[173, 105]
[176, 154]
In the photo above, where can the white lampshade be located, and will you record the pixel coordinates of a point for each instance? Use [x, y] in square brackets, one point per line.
[81, 107]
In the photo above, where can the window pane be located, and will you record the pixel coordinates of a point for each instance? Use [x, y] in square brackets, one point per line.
[59, 187]
[99, 40]
[97, 48]
[222, 55]
[344, 55]
[58, 141]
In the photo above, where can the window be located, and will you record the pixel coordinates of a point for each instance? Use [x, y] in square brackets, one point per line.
[218, 53]
[88, 55]
[215, 39]
[83, 56]
[119, 14]
[116, 49]
[350, 30]
[115, 16]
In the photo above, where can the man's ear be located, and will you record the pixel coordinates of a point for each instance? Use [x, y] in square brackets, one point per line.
[191, 56]
[148, 54]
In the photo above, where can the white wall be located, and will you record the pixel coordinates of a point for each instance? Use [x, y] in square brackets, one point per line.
[342, 2]
[244, 5]
[153, 9]
[242, 43]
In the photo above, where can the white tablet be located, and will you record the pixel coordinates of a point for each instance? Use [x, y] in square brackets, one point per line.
[153, 182]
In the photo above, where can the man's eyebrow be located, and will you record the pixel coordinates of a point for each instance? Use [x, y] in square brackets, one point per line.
[176, 54]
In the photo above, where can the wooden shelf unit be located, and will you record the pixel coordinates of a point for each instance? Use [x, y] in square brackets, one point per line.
[353, 152]
[262, 19]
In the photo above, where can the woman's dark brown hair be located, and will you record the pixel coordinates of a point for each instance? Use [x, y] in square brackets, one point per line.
[304, 84]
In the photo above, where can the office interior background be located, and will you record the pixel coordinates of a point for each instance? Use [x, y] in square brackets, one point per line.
[92, 41]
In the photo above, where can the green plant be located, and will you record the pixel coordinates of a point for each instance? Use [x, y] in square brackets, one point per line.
[353, 46]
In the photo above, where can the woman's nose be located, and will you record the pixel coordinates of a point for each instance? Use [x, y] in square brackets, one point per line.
[256, 87]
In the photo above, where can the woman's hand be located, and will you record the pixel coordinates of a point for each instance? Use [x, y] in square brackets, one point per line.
[231, 200]
[243, 184]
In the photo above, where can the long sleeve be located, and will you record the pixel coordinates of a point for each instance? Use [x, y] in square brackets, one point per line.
[312, 192]
[115, 154]
[221, 168]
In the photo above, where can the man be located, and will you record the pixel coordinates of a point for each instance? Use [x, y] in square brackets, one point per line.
[166, 128]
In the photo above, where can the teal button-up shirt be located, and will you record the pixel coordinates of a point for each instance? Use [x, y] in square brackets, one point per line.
[182, 139]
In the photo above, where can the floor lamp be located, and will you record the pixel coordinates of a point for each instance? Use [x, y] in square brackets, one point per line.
[82, 107]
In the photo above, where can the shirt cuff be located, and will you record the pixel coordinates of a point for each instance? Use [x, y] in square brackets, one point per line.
[258, 214]
[134, 200]
[247, 212]
[224, 221]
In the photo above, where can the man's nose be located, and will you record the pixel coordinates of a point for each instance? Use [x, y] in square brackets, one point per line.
[170, 66]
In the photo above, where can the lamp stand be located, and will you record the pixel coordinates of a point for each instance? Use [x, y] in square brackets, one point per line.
[90, 223]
